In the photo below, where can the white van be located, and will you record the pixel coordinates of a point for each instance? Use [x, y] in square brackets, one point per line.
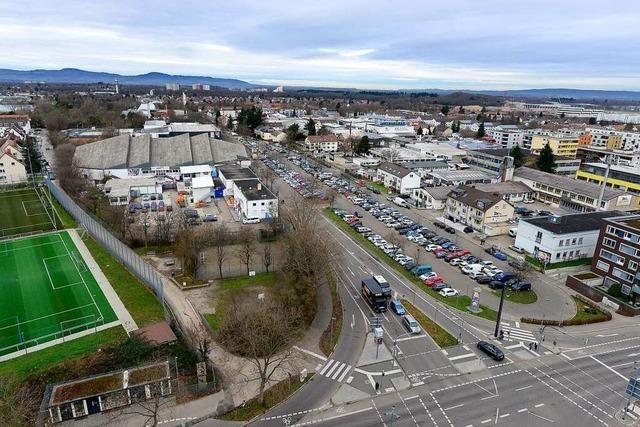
[472, 268]
[400, 202]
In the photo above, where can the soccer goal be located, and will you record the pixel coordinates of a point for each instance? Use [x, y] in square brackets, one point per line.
[79, 324]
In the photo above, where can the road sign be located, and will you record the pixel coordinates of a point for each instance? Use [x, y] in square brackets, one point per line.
[633, 388]
[375, 322]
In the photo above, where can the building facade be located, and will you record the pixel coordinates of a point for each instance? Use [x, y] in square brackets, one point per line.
[617, 254]
[561, 145]
[11, 169]
[485, 212]
[397, 178]
[326, 143]
[552, 239]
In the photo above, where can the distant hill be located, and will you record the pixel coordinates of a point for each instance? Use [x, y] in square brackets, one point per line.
[74, 75]
[562, 93]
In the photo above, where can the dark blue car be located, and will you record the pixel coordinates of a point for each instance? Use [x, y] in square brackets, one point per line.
[397, 307]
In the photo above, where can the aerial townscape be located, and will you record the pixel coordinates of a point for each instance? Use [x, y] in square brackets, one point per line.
[335, 214]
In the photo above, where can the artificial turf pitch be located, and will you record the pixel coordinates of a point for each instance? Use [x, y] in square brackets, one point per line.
[22, 211]
[46, 292]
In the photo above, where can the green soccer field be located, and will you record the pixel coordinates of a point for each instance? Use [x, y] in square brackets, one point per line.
[46, 292]
[22, 211]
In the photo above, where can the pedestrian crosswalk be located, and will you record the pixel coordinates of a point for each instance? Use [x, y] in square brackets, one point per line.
[335, 370]
[516, 334]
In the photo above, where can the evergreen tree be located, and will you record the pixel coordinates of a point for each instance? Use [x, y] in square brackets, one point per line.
[363, 145]
[218, 114]
[481, 132]
[250, 117]
[518, 156]
[445, 109]
[547, 160]
[229, 123]
[32, 158]
[311, 127]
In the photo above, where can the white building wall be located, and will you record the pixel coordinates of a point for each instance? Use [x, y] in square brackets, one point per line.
[574, 245]
[11, 170]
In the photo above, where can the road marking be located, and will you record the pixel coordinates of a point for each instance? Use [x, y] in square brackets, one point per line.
[389, 389]
[466, 347]
[378, 412]
[607, 335]
[344, 373]
[522, 410]
[349, 380]
[497, 414]
[338, 371]
[488, 420]
[444, 352]
[489, 397]
[539, 405]
[310, 353]
[462, 356]
[411, 338]
[524, 388]
[551, 421]
[610, 368]
[454, 407]
[352, 273]
[419, 383]
[326, 366]
[504, 415]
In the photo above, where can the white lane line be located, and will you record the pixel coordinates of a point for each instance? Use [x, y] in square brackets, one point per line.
[610, 368]
[485, 421]
[522, 410]
[326, 366]
[524, 388]
[504, 415]
[497, 415]
[463, 356]
[335, 365]
[310, 353]
[344, 373]
[335, 375]
[454, 407]
[539, 405]
[411, 338]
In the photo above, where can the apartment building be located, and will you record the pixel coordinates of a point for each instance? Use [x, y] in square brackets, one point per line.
[556, 238]
[561, 145]
[485, 212]
[11, 169]
[617, 253]
[612, 139]
[507, 136]
[326, 143]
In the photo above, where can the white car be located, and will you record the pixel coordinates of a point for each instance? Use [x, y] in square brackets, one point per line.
[455, 261]
[448, 292]
[528, 201]
[431, 247]
[476, 273]
[427, 276]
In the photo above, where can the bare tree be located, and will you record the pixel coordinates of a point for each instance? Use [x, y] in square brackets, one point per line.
[149, 409]
[395, 239]
[247, 241]
[164, 225]
[267, 257]
[68, 173]
[261, 333]
[219, 241]
[18, 404]
[186, 250]
[331, 196]
[390, 154]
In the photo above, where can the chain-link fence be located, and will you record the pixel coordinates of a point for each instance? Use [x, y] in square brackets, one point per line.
[132, 261]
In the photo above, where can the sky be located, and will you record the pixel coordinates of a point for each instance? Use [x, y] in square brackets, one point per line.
[454, 44]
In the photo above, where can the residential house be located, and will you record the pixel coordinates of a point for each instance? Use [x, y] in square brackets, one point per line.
[251, 199]
[431, 197]
[397, 178]
[325, 143]
[485, 212]
[11, 169]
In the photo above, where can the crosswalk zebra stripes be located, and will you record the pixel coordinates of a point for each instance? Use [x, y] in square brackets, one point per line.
[517, 334]
[335, 370]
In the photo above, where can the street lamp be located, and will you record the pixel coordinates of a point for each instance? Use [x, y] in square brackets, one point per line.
[497, 329]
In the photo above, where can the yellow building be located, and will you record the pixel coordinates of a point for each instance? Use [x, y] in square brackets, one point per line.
[566, 146]
[623, 178]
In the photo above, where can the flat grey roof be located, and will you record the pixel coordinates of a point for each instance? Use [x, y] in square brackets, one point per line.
[234, 172]
[565, 183]
[567, 224]
[460, 175]
[249, 188]
[439, 193]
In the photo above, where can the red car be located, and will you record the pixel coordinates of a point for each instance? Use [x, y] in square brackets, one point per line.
[462, 252]
[433, 280]
[449, 257]
[440, 253]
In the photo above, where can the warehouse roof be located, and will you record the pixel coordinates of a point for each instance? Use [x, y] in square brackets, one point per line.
[126, 151]
[565, 183]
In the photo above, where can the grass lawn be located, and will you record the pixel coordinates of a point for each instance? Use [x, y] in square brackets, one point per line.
[440, 336]
[586, 313]
[239, 283]
[64, 217]
[139, 300]
[554, 265]
[31, 363]
[328, 341]
[380, 187]
[461, 302]
[525, 297]
[157, 249]
[273, 396]
[213, 319]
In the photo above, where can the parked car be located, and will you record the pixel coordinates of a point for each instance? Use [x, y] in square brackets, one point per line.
[468, 229]
[516, 249]
[210, 218]
[513, 232]
[496, 284]
[491, 350]
[433, 280]
[504, 277]
[397, 307]
[448, 292]
[440, 286]
[440, 253]
[520, 286]
[483, 279]
[411, 324]
[450, 230]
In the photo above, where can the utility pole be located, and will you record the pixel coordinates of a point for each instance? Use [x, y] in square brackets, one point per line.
[497, 330]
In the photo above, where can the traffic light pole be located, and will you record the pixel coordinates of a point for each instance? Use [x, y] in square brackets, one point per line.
[497, 330]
